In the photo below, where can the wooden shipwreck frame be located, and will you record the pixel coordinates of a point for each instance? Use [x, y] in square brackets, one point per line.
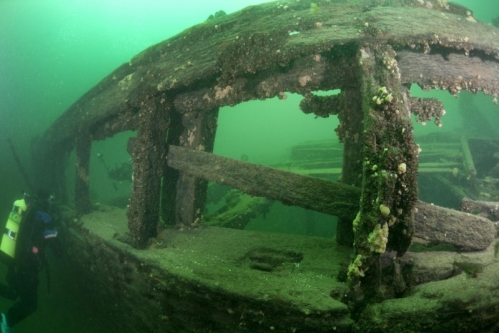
[373, 51]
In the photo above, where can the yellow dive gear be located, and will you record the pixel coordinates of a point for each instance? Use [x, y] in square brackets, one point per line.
[8, 245]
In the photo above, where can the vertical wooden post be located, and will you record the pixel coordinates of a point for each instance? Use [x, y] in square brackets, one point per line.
[199, 133]
[351, 134]
[389, 176]
[149, 153]
[82, 186]
[170, 175]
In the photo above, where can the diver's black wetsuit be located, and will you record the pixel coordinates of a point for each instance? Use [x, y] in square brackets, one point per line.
[22, 275]
[22, 284]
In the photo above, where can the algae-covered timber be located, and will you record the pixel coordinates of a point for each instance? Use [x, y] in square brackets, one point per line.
[372, 51]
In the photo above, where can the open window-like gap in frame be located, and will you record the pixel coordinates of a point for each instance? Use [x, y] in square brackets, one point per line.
[276, 133]
[470, 126]
[111, 171]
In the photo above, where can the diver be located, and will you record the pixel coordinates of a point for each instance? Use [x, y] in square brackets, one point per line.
[28, 232]
[118, 173]
[121, 173]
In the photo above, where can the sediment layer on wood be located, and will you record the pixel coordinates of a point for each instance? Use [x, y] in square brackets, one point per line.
[208, 279]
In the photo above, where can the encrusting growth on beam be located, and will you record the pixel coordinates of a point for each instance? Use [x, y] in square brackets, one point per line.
[149, 151]
[389, 185]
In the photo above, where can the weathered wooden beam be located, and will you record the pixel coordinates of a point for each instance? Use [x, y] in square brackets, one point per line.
[389, 174]
[322, 106]
[469, 165]
[350, 132]
[170, 175]
[348, 107]
[238, 211]
[149, 151]
[208, 56]
[325, 196]
[489, 209]
[428, 266]
[450, 71]
[199, 130]
[466, 231]
[289, 188]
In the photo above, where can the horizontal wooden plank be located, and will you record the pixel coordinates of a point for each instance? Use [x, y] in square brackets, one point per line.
[290, 188]
[324, 196]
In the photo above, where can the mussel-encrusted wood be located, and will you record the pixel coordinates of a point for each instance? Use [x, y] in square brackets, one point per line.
[370, 50]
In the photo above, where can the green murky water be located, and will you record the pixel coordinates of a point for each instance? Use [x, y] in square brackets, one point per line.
[52, 52]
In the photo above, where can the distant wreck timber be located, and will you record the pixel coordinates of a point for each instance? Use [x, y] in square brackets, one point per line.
[189, 278]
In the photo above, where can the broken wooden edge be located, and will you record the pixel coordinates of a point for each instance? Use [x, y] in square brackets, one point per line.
[464, 230]
[442, 290]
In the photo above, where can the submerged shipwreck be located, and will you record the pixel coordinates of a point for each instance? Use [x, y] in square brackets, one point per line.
[155, 267]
